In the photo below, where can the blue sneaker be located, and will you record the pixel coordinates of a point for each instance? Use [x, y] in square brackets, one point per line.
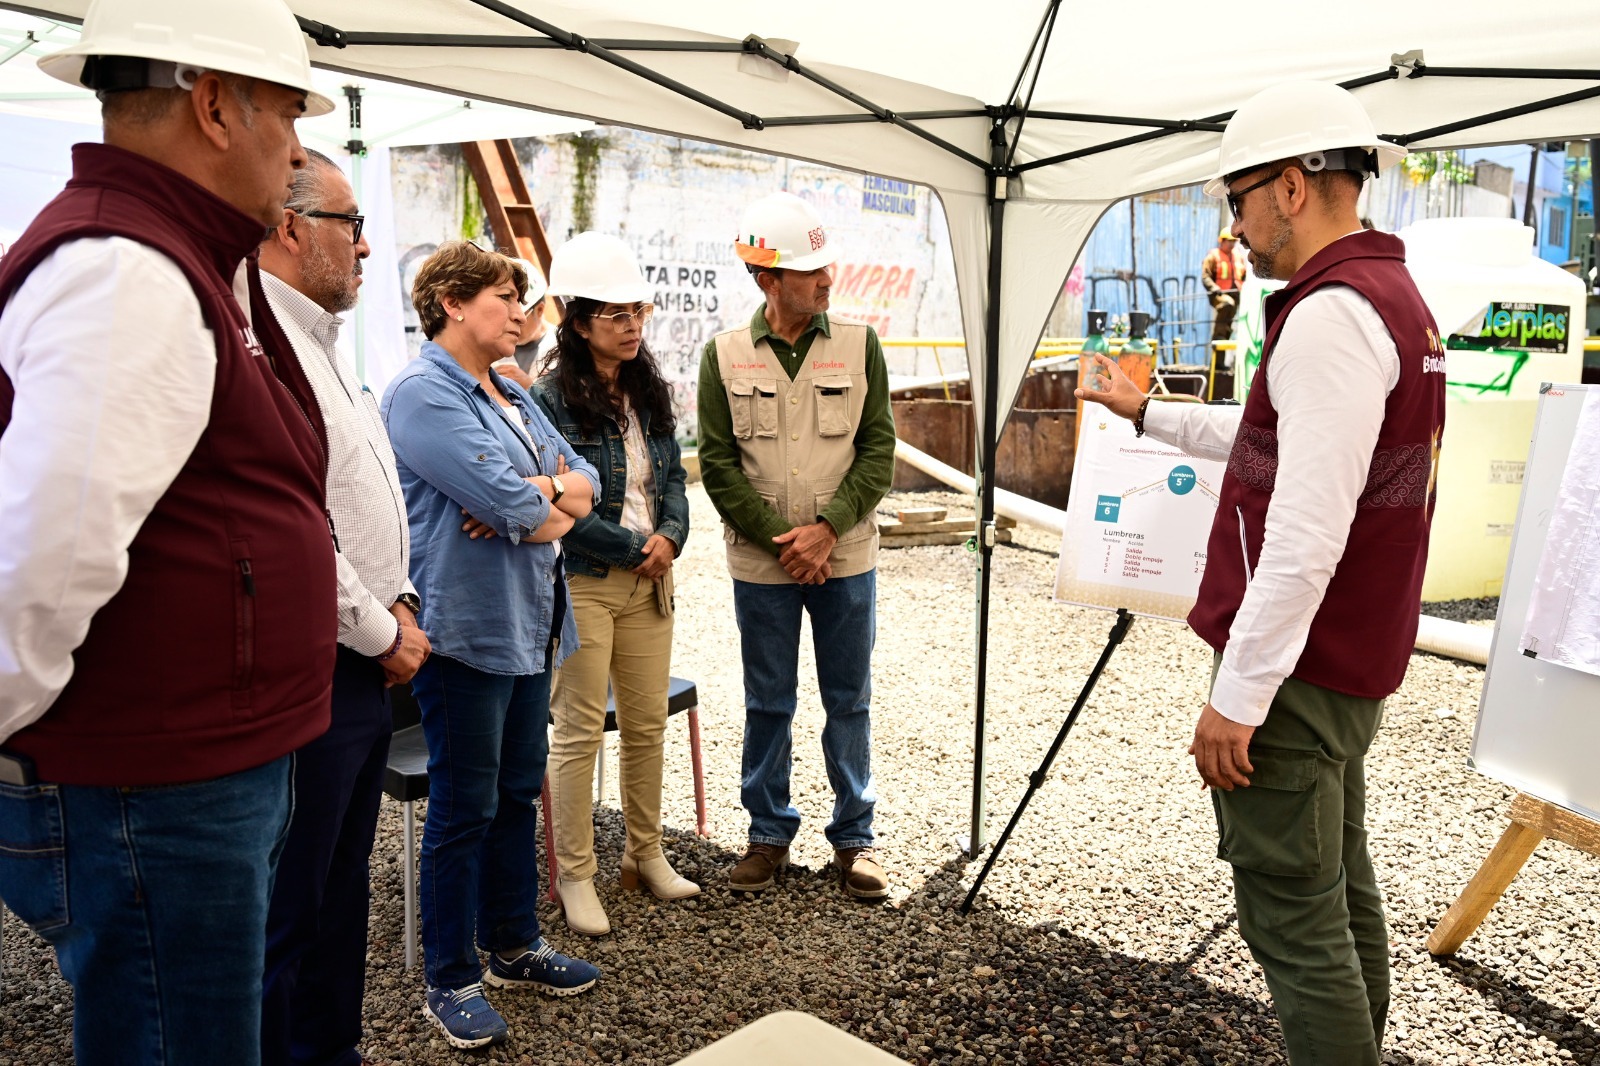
[465, 1016]
[544, 968]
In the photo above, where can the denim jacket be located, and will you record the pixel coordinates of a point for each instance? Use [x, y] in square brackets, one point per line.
[491, 603]
[599, 541]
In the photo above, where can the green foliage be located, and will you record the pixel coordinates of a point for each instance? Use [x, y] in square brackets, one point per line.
[1423, 167]
[586, 149]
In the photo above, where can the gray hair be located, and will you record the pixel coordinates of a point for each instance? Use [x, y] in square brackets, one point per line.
[307, 191]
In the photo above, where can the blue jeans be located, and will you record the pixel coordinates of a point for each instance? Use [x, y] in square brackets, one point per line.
[155, 900]
[843, 626]
[488, 741]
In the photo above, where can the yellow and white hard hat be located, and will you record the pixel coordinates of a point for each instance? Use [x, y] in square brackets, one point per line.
[1317, 122]
[783, 232]
[1226, 234]
[598, 266]
[181, 39]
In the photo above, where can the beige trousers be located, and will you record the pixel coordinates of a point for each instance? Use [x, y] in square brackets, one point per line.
[624, 639]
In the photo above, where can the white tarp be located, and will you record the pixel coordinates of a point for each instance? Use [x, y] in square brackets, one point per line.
[1167, 60]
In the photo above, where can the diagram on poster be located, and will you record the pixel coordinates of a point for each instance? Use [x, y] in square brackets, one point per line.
[1138, 518]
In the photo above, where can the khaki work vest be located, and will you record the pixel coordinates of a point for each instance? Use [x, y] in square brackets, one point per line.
[797, 440]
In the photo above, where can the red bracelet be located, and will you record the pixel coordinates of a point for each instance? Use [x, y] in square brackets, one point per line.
[394, 649]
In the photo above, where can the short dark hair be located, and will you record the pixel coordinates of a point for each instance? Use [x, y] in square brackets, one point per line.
[459, 270]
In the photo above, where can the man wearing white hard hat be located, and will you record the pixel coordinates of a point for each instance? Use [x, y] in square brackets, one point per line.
[796, 449]
[1314, 567]
[166, 566]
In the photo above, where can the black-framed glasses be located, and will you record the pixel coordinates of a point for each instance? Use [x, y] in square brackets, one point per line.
[356, 221]
[622, 319]
[1236, 199]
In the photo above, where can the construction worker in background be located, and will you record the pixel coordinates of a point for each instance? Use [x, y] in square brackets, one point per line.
[796, 449]
[1314, 567]
[167, 588]
[1219, 273]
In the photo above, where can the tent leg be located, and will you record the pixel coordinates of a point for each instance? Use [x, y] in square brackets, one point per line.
[988, 445]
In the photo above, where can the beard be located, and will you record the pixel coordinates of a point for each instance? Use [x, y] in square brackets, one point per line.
[1265, 254]
[328, 287]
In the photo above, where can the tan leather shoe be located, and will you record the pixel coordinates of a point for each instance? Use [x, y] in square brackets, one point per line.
[861, 873]
[759, 868]
[657, 877]
[582, 907]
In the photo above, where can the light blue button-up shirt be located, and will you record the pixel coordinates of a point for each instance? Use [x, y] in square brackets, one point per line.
[489, 603]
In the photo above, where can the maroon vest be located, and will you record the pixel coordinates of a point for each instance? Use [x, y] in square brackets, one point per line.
[216, 655]
[1362, 634]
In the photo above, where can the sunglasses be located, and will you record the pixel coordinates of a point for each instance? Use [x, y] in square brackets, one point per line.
[621, 320]
[1236, 199]
[356, 221]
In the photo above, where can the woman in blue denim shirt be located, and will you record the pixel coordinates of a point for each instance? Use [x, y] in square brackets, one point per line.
[489, 486]
[606, 394]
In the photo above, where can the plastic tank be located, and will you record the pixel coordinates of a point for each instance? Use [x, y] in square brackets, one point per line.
[1509, 321]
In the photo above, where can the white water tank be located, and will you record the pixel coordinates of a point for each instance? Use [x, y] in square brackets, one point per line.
[1510, 321]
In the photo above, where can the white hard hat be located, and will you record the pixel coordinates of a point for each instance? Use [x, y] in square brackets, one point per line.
[251, 38]
[537, 289]
[783, 232]
[1308, 120]
[600, 267]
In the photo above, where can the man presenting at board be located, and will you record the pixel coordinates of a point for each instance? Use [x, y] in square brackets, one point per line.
[1314, 565]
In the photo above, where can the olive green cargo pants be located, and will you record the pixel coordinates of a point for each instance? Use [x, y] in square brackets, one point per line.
[1309, 906]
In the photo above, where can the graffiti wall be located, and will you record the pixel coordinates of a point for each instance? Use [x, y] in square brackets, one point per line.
[677, 203]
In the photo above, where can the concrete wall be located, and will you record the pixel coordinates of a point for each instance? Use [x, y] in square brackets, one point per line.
[678, 202]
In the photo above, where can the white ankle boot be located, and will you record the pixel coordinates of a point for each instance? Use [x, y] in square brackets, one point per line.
[656, 875]
[582, 907]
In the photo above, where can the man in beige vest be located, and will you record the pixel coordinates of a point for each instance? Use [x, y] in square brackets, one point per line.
[796, 449]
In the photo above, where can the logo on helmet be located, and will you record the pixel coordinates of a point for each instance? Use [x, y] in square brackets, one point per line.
[818, 238]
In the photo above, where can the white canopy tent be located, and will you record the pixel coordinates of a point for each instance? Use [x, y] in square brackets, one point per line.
[1027, 119]
[369, 118]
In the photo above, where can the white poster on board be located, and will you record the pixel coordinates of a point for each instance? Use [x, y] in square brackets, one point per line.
[1137, 522]
[1563, 623]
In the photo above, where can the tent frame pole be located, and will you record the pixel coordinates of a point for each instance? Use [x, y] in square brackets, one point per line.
[988, 447]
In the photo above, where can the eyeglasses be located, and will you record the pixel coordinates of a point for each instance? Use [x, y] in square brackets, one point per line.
[356, 221]
[1236, 199]
[622, 319]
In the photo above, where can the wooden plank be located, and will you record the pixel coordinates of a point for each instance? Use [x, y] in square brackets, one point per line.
[1485, 889]
[922, 514]
[1557, 823]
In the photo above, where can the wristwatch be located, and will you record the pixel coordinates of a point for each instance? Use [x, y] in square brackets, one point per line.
[411, 601]
[557, 489]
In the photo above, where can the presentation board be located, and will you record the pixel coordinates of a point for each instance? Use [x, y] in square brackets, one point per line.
[1538, 726]
[1138, 518]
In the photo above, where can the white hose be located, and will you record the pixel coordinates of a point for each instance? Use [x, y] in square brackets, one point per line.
[1455, 639]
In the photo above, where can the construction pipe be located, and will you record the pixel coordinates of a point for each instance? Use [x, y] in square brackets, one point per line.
[1455, 639]
[1437, 635]
[1006, 503]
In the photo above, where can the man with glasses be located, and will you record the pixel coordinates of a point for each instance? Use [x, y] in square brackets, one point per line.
[1314, 567]
[796, 449]
[317, 921]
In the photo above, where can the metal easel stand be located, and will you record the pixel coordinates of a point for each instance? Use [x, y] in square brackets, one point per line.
[1119, 630]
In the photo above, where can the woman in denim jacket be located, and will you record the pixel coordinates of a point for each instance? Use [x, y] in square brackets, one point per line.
[605, 393]
[489, 486]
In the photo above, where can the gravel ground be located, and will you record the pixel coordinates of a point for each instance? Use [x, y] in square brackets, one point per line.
[1105, 933]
